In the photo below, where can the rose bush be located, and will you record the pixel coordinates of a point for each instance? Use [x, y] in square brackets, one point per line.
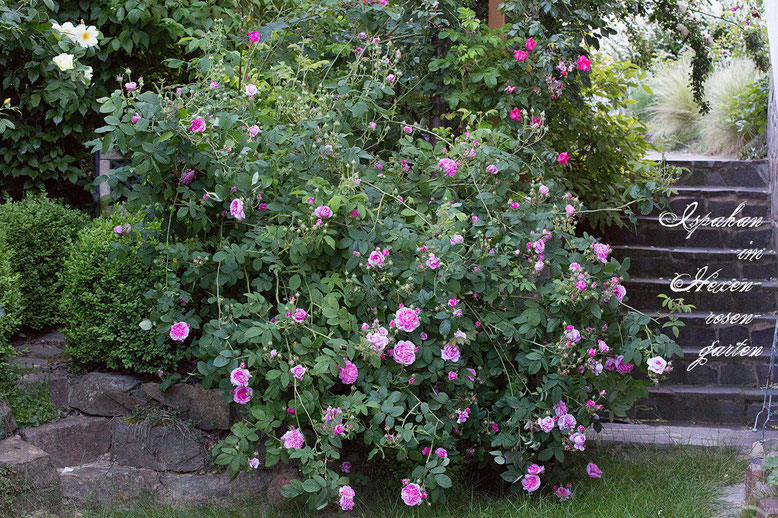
[358, 278]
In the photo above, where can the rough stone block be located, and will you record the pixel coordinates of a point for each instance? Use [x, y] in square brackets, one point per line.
[27, 462]
[107, 485]
[207, 409]
[72, 441]
[160, 448]
[193, 489]
[105, 394]
[7, 421]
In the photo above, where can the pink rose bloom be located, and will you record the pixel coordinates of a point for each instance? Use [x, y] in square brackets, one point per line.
[569, 209]
[198, 125]
[560, 408]
[135, 118]
[426, 450]
[300, 315]
[240, 377]
[251, 89]
[581, 285]
[299, 371]
[242, 395]
[254, 463]
[584, 63]
[579, 441]
[623, 368]
[187, 177]
[213, 85]
[536, 470]
[254, 37]
[338, 429]
[293, 439]
[457, 238]
[492, 169]
[411, 495]
[253, 130]
[535, 122]
[346, 495]
[179, 331]
[601, 251]
[442, 453]
[563, 158]
[404, 352]
[610, 364]
[619, 292]
[452, 302]
[546, 424]
[349, 373]
[406, 319]
[130, 85]
[572, 334]
[407, 129]
[379, 339]
[450, 353]
[373, 125]
[515, 114]
[236, 209]
[593, 471]
[567, 422]
[603, 346]
[530, 483]
[530, 45]
[563, 494]
[449, 166]
[433, 262]
[346, 467]
[118, 230]
[452, 376]
[657, 364]
[376, 259]
[322, 211]
[520, 55]
[543, 190]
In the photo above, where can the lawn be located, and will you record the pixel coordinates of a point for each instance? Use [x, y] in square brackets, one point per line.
[671, 482]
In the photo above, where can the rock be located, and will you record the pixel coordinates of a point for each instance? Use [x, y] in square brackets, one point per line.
[59, 387]
[107, 485]
[105, 394]
[191, 489]
[281, 479]
[207, 409]
[7, 421]
[757, 450]
[768, 508]
[160, 448]
[73, 441]
[28, 462]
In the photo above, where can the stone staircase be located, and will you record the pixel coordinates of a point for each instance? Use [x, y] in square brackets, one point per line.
[726, 390]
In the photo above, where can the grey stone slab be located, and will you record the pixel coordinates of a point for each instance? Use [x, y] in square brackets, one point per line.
[105, 394]
[72, 441]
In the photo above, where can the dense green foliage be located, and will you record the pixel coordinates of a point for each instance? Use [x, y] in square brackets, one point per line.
[10, 308]
[104, 299]
[37, 233]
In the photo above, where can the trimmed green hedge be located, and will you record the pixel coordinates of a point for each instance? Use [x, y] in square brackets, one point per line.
[37, 233]
[10, 308]
[104, 299]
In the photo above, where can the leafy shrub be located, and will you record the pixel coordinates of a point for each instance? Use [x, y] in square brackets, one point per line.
[358, 277]
[10, 308]
[104, 298]
[39, 232]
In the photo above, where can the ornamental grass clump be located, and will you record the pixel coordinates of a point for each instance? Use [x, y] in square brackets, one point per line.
[418, 295]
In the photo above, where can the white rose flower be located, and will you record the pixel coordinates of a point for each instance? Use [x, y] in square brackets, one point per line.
[86, 36]
[65, 29]
[657, 365]
[64, 61]
[88, 74]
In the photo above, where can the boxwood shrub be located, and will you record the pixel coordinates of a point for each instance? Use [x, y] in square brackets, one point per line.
[104, 297]
[10, 308]
[37, 233]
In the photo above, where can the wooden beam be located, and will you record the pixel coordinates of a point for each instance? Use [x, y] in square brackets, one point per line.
[496, 17]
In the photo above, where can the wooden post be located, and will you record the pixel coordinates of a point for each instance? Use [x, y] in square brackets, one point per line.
[496, 18]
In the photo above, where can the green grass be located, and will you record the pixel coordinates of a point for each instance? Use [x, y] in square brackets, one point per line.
[673, 482]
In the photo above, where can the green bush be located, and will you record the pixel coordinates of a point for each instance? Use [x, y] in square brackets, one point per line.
[104, 301]
[10, 308]
[38, 233]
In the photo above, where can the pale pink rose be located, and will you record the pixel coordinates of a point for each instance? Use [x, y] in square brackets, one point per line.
[450, 353]
[323, 212]
[338, 429]
[118, 230]
[535, 469]
[130, 85]
[253, 130]
[543, 190]
[376, 259]
[441, 452]
[293, 439]
[593, 471]
[569, 209]
[560, 408]
[433, 262]
[373, 125]
[449, 166]
[457, 238]
[492, 169]
[563, 493]
[240, 377]
[546, 424]
[236, 209]
[619, 292]
[346, 496]
[406, 319]
[579, 441]
[251, 89]
[411, 495]
[300, 315]
[404, 352]
[563, 158]
[349, 373]
[242, 395]
[379, 339]
[198, 125]
[584, 63]
[179, 331]
[299, 371]
[520, 55]
[657, 365]
[567, 422]
[601, 251]
[572, 334]
[530, 483]
[254, 463]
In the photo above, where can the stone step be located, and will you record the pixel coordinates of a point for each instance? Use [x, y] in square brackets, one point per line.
[762, 298]
[664, 261]
[721, 404]
[717, 203]
[649, 231]
[72, 441]
[750, 371]
[32, 469]
[696, 334]
[718, 172]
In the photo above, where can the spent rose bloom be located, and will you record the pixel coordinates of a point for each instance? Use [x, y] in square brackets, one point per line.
[449, 166]
[404, 352]
[584, 63]
[118, 230]
[300, 315]
[299, 371]
[198, 125]
[563, 493]
[406, 319]
[346, 467]
[450, 353]
[323, 211]
[601, 251]
[621, 367]
[376, 259]
[563, 158]
[657, 365]
[236, 209]
[411, 495]
[293, 439]
[251, 89]
[187, 177]
[535, 469]
[239, 376]
[546, 424]
[379, 339]
[593, 470]
[520, 55]
[530, 483]
[242, 395]
[179, 331]
[349, 373]
[560, 408]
